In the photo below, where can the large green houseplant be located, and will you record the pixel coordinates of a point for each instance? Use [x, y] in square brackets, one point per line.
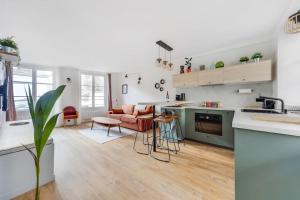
[42, 124]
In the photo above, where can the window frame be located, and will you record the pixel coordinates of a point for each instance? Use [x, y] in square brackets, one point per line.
[33, 82]
[93, 74]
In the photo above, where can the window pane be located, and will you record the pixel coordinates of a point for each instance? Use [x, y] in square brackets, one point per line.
[86, 80]
[22, 74]
[42, 89]
[99, 81]
[99, 91]
[19, 89]
[44, 77]
[86, 101]
[21, 103]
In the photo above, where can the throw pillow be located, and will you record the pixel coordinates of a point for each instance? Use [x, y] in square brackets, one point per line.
[117, 111]
[128, 109]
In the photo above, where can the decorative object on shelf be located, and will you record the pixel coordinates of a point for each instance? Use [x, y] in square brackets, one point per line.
[139, 77]
[164, 63]
[9, 45]
[162, 81]
[124, 89]
[212, 66]
[157, 85]
[43, 125]
[189, 69]
[202, 67]
[293, 23]
[257, 56]
[167, 96]
[219, 64]
[161, 89]
[244, 59]
[188, 62]
[181, 69]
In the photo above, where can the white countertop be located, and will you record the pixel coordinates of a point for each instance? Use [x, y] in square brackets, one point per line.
[245, 120]
[12, 138]
[200, 108]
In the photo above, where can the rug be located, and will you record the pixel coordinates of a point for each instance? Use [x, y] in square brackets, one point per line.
[99, 134]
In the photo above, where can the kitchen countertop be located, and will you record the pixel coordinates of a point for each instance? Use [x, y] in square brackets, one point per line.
[12, 138]
[245, 120]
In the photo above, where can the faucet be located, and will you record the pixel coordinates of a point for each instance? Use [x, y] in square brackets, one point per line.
[263, 98]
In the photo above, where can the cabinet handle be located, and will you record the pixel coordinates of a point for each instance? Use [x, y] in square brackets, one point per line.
[243, 79]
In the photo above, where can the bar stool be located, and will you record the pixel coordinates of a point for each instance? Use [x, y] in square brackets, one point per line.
[165, 135]
[147, 126]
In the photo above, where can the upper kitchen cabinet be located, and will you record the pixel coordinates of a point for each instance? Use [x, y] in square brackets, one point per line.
[185, 80]
[210, 77]
[252, 72]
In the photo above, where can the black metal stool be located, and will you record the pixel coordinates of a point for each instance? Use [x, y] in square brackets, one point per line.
[147, 126]
[165, 135]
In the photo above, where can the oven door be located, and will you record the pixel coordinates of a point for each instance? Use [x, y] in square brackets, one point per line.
[208, 123]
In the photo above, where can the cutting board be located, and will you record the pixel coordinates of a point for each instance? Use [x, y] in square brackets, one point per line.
[291, 119]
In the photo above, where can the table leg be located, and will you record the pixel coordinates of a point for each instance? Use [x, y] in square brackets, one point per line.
[92, 125]
[108, 130]
[119, 129]
[154, 129]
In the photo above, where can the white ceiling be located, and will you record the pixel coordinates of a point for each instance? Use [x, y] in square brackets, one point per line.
[118, 35]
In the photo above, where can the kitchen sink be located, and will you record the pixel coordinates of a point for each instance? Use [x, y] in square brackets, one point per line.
[261, 111]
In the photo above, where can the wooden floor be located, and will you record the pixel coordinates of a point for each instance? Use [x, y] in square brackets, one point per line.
[87, 170]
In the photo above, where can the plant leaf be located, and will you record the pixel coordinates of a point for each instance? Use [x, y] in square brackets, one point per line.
[47, 132]
[30, 151]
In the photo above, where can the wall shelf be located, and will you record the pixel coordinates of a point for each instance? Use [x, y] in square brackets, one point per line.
[9, 57]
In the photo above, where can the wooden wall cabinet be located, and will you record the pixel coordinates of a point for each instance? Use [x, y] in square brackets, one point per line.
[253, 72]
[185, 80]
[210, 77]
[247, 73]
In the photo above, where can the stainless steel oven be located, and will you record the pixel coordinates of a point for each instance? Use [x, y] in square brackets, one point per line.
[208, 123]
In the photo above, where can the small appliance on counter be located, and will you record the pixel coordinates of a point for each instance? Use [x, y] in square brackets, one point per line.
[180, 97]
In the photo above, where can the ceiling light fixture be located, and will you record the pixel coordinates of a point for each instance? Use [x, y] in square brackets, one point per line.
[164, 63]
[293, 23]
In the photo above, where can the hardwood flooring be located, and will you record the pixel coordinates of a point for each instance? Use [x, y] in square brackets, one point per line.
[86, 170]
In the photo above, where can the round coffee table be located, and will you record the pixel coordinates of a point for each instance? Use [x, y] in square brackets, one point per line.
[107, 122]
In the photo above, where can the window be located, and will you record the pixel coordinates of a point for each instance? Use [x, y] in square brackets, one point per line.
[40, 82]
[92, 91]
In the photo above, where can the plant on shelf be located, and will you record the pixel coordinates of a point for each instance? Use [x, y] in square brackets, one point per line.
[244, 59]
[219, 64]
[257, 56]
[8, 44]
[42, 124]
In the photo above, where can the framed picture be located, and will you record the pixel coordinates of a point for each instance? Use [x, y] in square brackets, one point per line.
[124, 89]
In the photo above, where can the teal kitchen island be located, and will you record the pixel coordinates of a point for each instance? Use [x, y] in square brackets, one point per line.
[267, 159]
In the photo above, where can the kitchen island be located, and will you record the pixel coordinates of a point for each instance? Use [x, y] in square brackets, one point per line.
[267, 159]
[17, 171]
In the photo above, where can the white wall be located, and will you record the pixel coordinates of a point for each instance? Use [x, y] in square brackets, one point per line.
[288, 84]
[146, 91]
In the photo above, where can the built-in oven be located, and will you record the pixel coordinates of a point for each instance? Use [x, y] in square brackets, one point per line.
[208, 123]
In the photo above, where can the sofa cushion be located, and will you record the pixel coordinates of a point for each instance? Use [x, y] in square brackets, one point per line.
[128, 119]
[135, 113]
[117, 111]
[128, 109]
[115, 116]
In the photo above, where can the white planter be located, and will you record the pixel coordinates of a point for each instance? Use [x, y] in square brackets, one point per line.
[8, 49]
[256, 59]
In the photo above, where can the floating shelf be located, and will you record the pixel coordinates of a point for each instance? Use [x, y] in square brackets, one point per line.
[10, 57]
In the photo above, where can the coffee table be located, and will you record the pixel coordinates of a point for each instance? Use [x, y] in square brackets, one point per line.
[107, 122]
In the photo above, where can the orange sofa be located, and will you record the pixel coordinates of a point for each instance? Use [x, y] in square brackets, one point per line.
[129, 116]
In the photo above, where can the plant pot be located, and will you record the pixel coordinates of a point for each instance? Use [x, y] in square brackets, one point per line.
[244, 62]
[1, 47]
[8, 49]
[256, 59]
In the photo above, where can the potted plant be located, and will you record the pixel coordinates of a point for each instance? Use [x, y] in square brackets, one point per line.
[257, 56]
[42, 124]
[219, 64]
[9, 45]
[244, 59]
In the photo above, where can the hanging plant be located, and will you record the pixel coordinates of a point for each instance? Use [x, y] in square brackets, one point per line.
[257, 56]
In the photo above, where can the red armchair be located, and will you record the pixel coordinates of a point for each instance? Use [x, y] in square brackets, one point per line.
[70, 113]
